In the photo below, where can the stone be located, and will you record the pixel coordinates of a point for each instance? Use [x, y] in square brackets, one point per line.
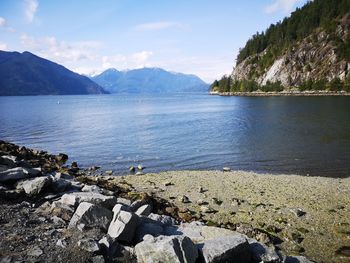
[96, 189]
[95, 198]
[36, 186]
[132, 169]
[168, 183]
[115, 252]
[148, 229]
[184, 199]
[298, 212]
[97, 259]
[140, 167]
[207, 209]
[262, 253]
[89, 245]
[61, 158]
[91, 215]
[123, 226]
[61, 243]
[35, 252]
[139, 173]
[233, 248]
[62, 176]
[109, 172]
[62, 210]
[226, 169]
[166, 249]
[123, 201]
[60, 185]
[163, 219]
[136, 205]
[144, 210]
[9, 160]
[58, 221]
[15, 174]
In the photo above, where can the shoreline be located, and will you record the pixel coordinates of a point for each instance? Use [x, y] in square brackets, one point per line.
[287, 214]
[282, 93]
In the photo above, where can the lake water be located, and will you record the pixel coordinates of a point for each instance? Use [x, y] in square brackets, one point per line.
[302, 135]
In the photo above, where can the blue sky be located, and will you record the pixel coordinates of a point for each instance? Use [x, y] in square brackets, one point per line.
[201, 37]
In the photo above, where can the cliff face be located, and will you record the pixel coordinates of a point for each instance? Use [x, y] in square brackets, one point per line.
[313, 58]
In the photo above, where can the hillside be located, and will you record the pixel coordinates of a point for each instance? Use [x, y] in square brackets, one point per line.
[27, 74]
[310, 50]
[149, 80]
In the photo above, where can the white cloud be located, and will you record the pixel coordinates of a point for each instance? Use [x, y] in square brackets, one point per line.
[60, 51]
[286, 6]
[31, 7]
[157, 26]
[135, 60]
[2, 21]
[3, 46]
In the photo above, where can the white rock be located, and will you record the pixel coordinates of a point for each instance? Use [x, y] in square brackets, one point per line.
[95, 198]
[91, 215]
[123, 226]
[89, 245]
[144, 210]
[36, 186]
[170, 249]
[14, 174]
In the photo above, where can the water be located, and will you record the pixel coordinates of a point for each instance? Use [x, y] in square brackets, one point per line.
[302, 135]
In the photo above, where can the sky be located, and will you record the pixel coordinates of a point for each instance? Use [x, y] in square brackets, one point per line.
[200, 37]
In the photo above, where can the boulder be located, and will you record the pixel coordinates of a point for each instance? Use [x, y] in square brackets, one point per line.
[163, 219]
[89, 245]
[166, 249]
[233, 248]
[8, 160]
[91, 215]
[60, 185]
[115, 252]
[123, 201]
[123, 226]
[75, 199]
[262, 253]
[36, 186]
[148, 229]
[18, 173]
[144, 210]
[96, 189]
[62, 210]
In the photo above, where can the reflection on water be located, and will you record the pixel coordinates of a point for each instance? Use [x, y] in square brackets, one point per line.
[304, 135]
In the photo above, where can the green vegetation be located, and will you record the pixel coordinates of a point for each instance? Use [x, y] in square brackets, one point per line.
[226, 84]
[304, 21]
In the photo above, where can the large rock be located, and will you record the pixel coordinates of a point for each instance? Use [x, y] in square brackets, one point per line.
[262, 253]
[163, 219]
[18, 173]
[144, 210]
[94, 198]
[89, 245]
[154, 229]
[36, 186]
[60, 185]
[96, 189]
[233, 248]
[9, 160]
[170, 249]
[62, 210]
[123, 226]
[91, 215]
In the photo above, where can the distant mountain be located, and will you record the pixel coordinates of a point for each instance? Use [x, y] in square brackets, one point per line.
[149, 80]
[27, 74]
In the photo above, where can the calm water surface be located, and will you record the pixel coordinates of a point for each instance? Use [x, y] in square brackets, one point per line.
[303, 135]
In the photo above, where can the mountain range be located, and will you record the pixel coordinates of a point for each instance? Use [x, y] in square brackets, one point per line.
[27, 74]
[149, 80]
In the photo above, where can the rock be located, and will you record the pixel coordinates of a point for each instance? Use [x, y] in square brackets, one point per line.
[95, 198]
[163, 219]
[144, 229]
[144, 210]
[62, 176]
[298, 212]
[35, 252]
[123, 201]
[262, 253]
[226, 169]
[297, 259]
[201, 190]
[140, 167]
[61, 158]
[115, 252]
[96, 189]
[139, 173]
[60, 185]
[201, 202]
[36, 186]
[168, 183]
[166, 249]
[109, 172]
[61, 243]
[16, 174]
[123, 226]
[132, 169]
[97, 259]
[58, 221]
[233, 248]
[91, 215]
[207, 209]
[184, 199]
[137, 204]
[89, 245]
[62, 210]
[9, 161]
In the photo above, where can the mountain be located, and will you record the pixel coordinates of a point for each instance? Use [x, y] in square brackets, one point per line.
[149, 80]
[310, 50]
[27, 74]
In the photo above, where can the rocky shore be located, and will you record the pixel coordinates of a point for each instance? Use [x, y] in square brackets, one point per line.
[52, 212]
[282, 93]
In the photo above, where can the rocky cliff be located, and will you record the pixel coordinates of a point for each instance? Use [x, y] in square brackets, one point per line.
[315, 57]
